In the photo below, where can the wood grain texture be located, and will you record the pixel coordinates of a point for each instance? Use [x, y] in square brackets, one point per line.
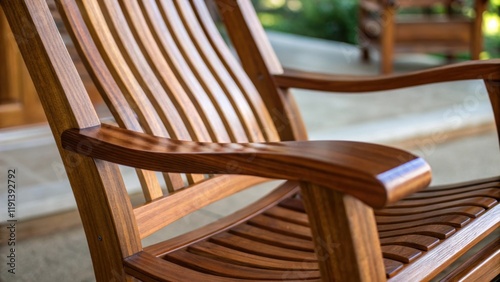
[340, 83]
[163, 70]
[260, 63]
[343, 256]
[373, 173]
[67, 105]
[449, 250]
[482, 266]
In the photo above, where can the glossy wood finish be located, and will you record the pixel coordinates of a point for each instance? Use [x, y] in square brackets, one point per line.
[184, 106]
[343, 256]
[67, 105]
[488, 70]
[373, 173]
[483, 266]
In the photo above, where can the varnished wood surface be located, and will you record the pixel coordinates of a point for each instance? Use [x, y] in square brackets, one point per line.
[281, 235]
[343, 256]
[482, 266]
[373, 173]
[340, 83]
[166, 75]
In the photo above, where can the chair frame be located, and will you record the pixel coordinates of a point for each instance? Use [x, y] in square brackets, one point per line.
[341, 182]
[394, 36]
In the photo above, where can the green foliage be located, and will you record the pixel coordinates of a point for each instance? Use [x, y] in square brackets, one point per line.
[329, 19]
[338, 19]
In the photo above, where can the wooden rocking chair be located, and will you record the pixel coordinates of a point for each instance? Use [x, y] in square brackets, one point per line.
[348, 211]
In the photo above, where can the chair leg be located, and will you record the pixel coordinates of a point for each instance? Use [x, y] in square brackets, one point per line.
[344, 234]
[493, 88]
[477, 36]
[387, 39]
[365, 54]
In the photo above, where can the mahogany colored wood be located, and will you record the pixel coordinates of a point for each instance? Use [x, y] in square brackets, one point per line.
[185, 107]
[370, 172]
[488, 70]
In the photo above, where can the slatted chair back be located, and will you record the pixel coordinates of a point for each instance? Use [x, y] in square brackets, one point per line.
[163, 68]
[165, 63]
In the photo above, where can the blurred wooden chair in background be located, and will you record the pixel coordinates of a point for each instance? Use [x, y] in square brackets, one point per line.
[184, 106]
[383, 27]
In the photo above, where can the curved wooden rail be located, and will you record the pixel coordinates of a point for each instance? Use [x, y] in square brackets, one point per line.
[375, 174]
[488, 70]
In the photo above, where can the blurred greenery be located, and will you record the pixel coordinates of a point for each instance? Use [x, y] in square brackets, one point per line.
[338, 19]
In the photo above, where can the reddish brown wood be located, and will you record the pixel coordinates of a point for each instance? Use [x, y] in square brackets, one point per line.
[341, 83]
[482, 266]
[343, 256]
[164, 70]
[384, 178]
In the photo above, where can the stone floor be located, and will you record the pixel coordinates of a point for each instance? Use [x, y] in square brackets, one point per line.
[449, 124]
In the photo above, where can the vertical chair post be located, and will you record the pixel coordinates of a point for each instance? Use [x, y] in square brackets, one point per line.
[345, 235]
[476, 30]
[493, 88]
[97, 185]
[388, 37]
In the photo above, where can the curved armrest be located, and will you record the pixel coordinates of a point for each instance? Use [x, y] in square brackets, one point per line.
[375, 174]
[489, 70]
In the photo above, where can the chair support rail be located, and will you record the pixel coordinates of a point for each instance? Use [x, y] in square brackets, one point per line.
[375, 174]
[487, 70]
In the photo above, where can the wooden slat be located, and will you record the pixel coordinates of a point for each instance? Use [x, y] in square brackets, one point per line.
[482, 266]
[183, 72]
[139, 65]
[392, 266]
[234, 68]
[420, 242]
[400, 253]
[435, 230]
[150, 185]
[288, 215]
[162, 70]
[470, 211]
[454, 220]
[233, 256]
[282, 227]
[484, 202]
[283, 191]
[491, 192]
[219, 71]
[167, 112]
[262, 249]
[213, 266]
[273, 238]
[149, 268]
[153, 216]
[190, 116]
[102, 78]
[203, 74]
[430, 193]
[260, 63]
[449, 250]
